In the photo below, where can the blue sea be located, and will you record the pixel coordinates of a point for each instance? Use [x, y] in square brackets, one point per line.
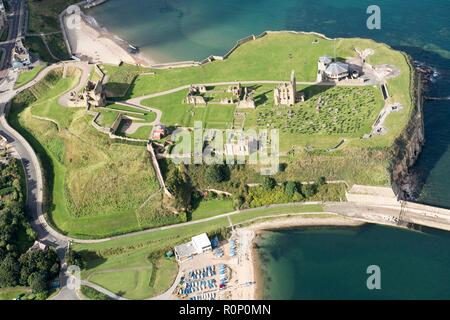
[169, 30]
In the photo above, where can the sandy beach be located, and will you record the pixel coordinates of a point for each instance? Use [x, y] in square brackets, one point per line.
[97, 45]
[247, 269]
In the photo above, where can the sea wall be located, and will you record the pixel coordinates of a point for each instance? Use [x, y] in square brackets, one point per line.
[185, 64]
[408, 146]
[62, 25]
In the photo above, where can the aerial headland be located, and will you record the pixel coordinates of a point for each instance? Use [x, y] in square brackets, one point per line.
[104, 131]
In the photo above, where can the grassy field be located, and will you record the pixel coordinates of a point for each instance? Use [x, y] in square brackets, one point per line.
[12, 293]
[176, 112]
[212, 207]
[106, 118]
[120, 79]
[95, 186]
[142, 133]
[138, 282]
[287, 52]
[124, 108]
[27, 76]
[132, 253]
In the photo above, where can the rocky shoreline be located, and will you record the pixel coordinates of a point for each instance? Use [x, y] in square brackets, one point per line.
[407, 148]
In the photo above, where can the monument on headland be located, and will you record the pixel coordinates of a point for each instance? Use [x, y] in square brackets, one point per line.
[286, 93]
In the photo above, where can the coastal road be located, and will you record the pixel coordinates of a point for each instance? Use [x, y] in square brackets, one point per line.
[32, 168]
[15, 31]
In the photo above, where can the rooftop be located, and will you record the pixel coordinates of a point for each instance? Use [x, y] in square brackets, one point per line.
[325, 59]
[337, 68]
[201, 241]
[185, 250]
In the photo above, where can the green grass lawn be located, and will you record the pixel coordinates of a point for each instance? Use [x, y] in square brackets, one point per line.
[139, 114]
[124, 108]
[95, 185]
[142, 133]
[120, 79]
[212, 207]
[47, 106]
[176, 112]
[106, 118]
[27, 76]
[135, 282]
[12, 293]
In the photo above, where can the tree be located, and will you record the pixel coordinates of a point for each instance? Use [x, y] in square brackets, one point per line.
[180, 186]
[9, 272]
[309, 190]
[35, 261]
[321, 181]
[38, 282]
[269, 183]
[215, 174]
[238, 202]
[74, 258]
[290, 189]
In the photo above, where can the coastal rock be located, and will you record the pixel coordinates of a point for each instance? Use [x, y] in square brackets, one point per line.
[407, 149]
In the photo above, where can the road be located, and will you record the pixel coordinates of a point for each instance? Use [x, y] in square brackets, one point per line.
[15, 31]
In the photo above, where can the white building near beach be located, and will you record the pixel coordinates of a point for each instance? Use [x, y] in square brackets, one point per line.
[201, 243]
[198, 245]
